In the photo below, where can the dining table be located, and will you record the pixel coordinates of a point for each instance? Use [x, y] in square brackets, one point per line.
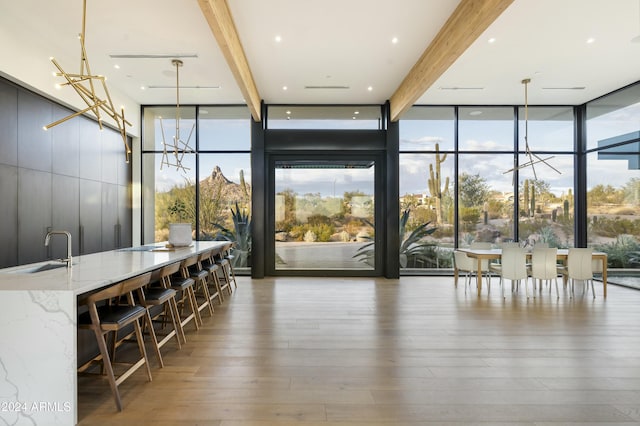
[562, 255]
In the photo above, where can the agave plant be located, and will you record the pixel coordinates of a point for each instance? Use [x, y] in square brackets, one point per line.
[411, 246]
[241, 234]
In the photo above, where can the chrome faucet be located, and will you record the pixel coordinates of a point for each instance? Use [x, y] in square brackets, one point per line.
[48, 237]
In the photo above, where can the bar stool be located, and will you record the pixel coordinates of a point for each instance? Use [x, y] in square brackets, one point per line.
[165, 297]
[184, 287]
[225, 266]
[109, 311]
[230, 257]
[192, 268]
[210, 265]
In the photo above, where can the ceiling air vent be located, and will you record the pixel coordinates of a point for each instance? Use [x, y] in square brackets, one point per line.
[153, 55]
[183, 87]
[326, 87]
[564, 88]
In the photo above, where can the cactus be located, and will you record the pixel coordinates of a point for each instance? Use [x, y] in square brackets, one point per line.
[526, 197]
[533, 200]
[435, 183]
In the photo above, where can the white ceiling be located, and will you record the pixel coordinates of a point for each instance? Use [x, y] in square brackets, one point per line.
[334, 43]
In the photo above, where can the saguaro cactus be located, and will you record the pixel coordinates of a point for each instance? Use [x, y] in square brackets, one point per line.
[435, 183]
[533, 200]
[526, 197]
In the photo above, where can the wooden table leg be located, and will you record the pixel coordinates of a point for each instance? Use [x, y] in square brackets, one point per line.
[479, 276]
[604, 277]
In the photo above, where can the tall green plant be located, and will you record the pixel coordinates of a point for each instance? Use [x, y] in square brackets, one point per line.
[412, 246]
[241, 234]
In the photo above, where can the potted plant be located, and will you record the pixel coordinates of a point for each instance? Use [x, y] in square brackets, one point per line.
[180, 231]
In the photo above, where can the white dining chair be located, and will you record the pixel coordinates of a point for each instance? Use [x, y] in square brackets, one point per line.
[465, 265]
[579, 268]
[544, 267]
[513, 267]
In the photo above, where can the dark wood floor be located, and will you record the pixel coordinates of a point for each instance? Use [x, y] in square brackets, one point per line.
[414, 351]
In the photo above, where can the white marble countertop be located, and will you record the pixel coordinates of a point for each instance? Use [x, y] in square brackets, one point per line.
[96, 270]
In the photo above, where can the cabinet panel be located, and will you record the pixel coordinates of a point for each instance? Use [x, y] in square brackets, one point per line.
[9, 215]
[65, 214]
[34, 143]
[124, 168]
[90, 238]
[34, 214]
[109, 216]
[8, 124]
[65, 144]
[90, 150]
[124, 216]
[112, 154]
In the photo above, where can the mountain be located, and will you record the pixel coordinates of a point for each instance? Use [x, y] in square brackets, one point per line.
[218, 185]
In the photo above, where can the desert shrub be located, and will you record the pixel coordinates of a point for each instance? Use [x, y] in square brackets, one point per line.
[624, 252]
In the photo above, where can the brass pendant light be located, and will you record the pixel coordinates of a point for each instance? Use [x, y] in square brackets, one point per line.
[177, 147]
[85, 84]
[533, 159]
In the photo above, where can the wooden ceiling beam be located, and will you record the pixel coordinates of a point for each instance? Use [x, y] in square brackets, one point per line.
[221, 23]
[470, 19]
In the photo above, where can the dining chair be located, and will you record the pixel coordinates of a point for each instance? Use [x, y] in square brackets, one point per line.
[464, 264]
[544, 267]
[579, 268]
[484, 264]
[108, 311]
[513, 267]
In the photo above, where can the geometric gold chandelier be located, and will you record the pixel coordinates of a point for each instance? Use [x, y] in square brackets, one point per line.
[85, 84]
[174, 149]
[532, 158]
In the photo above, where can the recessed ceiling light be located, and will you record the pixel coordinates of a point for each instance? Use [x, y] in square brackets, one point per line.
[356, 112]
[142, 88]
[370, 88]
[278, 39]
[284, 87]
[475, 112]
[492, 40]
[288, 112]
[204, 111]
[116, 66]
[394, 40]
[591, 40]
[353, 117]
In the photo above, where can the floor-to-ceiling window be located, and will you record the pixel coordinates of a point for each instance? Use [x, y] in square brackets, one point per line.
[427, 179]
[546, 177]
[460, 176]
[206, 182]
[613, 180]
[464, 174]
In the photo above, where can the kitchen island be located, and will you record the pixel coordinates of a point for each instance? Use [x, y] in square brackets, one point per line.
[38, 326]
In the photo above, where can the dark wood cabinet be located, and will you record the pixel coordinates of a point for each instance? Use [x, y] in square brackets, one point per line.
[65, 215]
[8, 125]
[9, 214]
[34, 214]
[72, 177]
[90, 240]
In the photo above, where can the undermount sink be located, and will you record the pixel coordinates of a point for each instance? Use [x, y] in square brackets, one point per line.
[38, 268]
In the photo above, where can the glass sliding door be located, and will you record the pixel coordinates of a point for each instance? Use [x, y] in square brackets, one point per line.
[324, 215]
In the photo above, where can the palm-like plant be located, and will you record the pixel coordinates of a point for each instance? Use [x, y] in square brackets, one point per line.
[411, 246]
[241, 234]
